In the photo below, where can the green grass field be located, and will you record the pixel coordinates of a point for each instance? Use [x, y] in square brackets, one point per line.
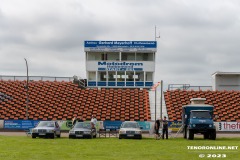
[26, 148]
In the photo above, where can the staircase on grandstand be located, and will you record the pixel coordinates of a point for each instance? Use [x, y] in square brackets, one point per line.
[158, 104]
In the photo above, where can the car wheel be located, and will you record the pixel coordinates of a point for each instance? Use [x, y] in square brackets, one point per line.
[185, 132]
[59, 135]
[205, 135]
[119, 137]
[33, 136]
[213, 135]
[91, 136]
[190, 134]
[52, 136]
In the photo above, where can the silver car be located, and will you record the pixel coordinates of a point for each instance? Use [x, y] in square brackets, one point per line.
[46, 129]
[130, 129]
[82, 130]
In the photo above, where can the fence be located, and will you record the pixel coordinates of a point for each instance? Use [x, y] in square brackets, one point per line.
[35, 78]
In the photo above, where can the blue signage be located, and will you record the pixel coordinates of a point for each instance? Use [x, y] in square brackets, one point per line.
[117, 46]
[117, 124]
[20, 124]
[112, 124]
[120, 66]
[175, 124]
[144, 125]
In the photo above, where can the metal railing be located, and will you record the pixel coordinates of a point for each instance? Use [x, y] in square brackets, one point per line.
[188, 87]
[35, 78]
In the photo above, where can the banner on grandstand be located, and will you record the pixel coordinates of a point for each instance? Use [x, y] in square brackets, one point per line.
[228, 126]
[26, 124]
[120, 66]
[20, 124]
[175, 125]
[144, 125]
[67, 125]
[120, 46]
[117, 124]
[112, 124]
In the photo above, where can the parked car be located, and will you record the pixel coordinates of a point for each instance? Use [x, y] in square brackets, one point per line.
[49, 129]
[130, 129]
[82, 130]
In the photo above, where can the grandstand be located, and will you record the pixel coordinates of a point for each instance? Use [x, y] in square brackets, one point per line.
[119, 76]
[54, 100]
[224, 95]
[61, 100]
[226, 103]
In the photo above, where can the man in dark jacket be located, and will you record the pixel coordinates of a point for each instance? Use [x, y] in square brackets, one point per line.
[156, 128]
[165, 127]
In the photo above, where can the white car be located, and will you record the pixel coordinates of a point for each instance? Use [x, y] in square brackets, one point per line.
[47, 129]
[130, 129]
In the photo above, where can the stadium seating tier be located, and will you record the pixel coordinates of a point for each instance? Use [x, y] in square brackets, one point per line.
[63, 100]
[226, 103]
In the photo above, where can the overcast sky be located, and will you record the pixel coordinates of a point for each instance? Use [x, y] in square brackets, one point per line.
[198, 37]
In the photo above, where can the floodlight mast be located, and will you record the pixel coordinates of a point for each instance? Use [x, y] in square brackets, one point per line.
[156, 33]
[154, 88]
[161, 99]
[155, 36]
[27, 99]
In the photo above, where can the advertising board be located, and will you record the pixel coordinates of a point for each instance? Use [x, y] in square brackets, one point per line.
[117, 124]
[175, 125]
[228, 126]
[20, 124]
[120, 46]
[120, 66]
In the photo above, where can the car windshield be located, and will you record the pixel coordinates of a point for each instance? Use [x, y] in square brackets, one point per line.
[83, 125]
[130, 125]
[45, 124]
[200, 114]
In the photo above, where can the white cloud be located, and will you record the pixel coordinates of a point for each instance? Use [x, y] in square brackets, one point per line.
[197, 37]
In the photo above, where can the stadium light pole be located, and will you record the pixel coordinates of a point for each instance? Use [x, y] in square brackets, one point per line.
[155, 104]
[155, 38]
[161, 99]
[154, 88]
[156, 34]
[26, 87]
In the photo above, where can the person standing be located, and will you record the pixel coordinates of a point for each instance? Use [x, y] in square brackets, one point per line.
[156, 128]
[74, 120]
[165, 127]
[93, 121]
